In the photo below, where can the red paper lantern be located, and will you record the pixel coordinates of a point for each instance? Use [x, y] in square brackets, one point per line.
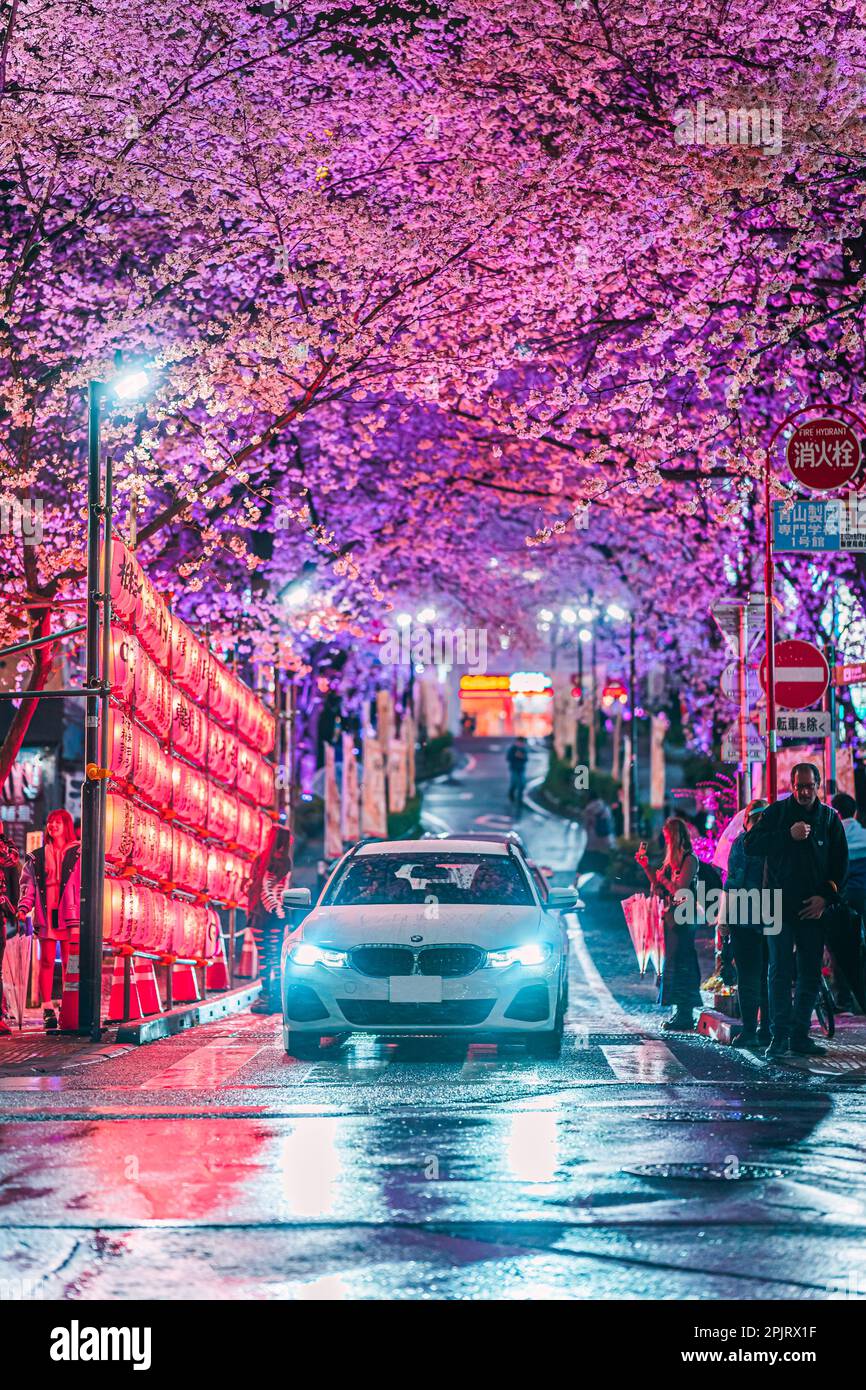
[155, 626]
[120, 911]
[151, 770]
[127, 583]
[189, 870]
[153, 695]
[121, 744]
[222, 814]
[189, 795]
[189, 661]
[119, 829]
[189, 728]
[123, 655]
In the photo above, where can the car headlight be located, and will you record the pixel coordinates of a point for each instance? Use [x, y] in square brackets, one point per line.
[533, 953]
[305, 953]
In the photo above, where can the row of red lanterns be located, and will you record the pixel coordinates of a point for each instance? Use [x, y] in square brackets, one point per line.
[138, 684]
[143, 843]
[148, 920]
[178, 653]
[137, 762]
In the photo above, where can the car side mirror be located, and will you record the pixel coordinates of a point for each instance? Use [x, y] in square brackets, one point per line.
[297, 897]
[562, 900]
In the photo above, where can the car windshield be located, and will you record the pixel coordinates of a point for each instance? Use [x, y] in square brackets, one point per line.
[463, 879]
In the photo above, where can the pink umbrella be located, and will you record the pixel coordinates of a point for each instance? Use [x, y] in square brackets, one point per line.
[643, 918]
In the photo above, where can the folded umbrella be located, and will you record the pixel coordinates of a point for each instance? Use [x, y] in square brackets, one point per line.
[16, 974]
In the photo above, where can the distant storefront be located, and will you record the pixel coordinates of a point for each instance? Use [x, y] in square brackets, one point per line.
[502, 705]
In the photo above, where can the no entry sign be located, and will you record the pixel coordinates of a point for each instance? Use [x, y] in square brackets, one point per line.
[802, 674]
[824, 454]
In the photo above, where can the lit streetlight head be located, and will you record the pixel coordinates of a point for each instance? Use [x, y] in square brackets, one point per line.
[404, 619]
[585, 635]
[129, 385]
[568, 616]
[585, 614]
[426, 615]
[545, 615]
[617, 612]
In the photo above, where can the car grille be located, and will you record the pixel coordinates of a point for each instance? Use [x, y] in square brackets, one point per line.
[449, 961]
[378, 1013]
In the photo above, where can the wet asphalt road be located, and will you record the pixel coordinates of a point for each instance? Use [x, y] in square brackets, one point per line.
[212, 1166]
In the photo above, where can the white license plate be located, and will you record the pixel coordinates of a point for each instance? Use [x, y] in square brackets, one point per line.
[415, 989]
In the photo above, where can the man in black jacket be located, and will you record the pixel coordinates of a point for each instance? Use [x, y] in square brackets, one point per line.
[803, 842]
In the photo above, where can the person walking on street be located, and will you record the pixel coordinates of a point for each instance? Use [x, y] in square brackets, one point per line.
[50, 890]
[746, 931]
[267, 916]
[844, 939]
[803, 842]
[673, 882]
[517, 758]
[10, 874]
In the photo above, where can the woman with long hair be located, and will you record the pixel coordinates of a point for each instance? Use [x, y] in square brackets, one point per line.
[673, 883]
[267, 916]
[50, 890]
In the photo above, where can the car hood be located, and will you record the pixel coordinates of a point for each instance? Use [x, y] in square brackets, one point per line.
[492, 928]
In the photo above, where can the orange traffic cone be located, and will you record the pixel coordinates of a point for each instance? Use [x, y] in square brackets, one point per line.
[146, 986]
[217, 976]
[184, 985]
[115, 1002]
[249, 966]
[69, 1000]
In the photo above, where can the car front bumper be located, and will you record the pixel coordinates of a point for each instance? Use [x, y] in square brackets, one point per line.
[319, 999]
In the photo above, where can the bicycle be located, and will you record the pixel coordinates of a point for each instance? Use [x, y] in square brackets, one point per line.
[825, 1009]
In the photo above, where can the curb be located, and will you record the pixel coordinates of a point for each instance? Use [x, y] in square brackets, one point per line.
[177, 1020]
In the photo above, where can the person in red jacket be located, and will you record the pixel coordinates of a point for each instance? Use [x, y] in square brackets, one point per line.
[50, 890]
[10, 871]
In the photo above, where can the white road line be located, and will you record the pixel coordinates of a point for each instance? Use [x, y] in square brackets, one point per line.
[205, 1068]
[614, 1014]
[651, 1063]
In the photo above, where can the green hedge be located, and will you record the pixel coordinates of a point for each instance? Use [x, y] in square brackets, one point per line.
[558, 792]
[404, 824]
[434, 757]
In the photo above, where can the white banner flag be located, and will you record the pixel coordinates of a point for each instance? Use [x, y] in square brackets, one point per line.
[385, 719]
[374, 815]
[659, 727]
[350, 824]
[333, 837]
[397, 775]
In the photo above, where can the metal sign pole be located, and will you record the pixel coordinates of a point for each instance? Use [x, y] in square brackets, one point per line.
[743, 691]
[91, 869]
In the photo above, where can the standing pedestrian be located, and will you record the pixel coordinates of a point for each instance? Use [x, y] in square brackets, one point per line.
[804, 844]
[673, 882]
[50, 890]
[267, 916]
[745, 927]
[600, 837]
[517, 757]
[10, 873]
[844, 936]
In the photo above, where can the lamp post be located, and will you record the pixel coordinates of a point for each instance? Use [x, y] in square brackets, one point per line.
[99, 515]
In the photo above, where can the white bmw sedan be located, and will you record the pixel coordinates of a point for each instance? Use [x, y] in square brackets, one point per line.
[428, 936]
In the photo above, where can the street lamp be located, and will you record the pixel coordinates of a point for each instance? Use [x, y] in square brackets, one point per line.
[126, 386]
[568, 616]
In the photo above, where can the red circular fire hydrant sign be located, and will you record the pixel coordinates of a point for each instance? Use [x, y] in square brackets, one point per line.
[824, 454]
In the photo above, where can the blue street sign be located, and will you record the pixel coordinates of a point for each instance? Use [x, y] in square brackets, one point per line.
[836, 523]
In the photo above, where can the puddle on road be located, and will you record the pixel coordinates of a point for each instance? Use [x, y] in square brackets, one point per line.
[705, 1172]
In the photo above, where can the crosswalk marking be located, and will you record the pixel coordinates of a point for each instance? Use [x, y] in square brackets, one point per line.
[649, 1063]
[206, 1067]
